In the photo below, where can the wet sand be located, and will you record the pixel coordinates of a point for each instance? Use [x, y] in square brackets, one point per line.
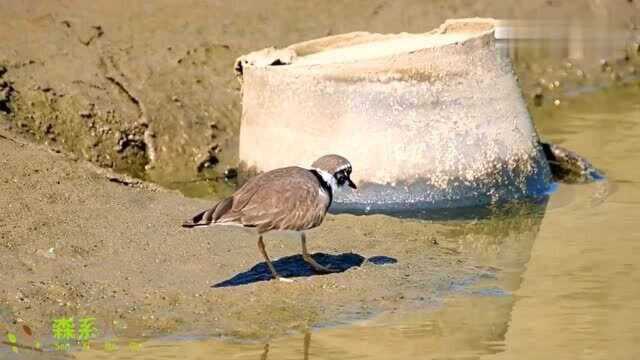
[74, 243]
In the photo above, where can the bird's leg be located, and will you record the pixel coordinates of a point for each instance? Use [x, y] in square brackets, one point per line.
[265, 352]
[307, 344]
[305, 255]
[266, 257]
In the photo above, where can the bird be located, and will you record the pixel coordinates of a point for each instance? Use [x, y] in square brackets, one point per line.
[286, 199]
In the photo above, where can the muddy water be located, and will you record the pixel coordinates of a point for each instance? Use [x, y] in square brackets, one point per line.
[562, 280]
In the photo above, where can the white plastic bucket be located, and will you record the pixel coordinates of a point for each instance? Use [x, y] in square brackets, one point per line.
[433, 120]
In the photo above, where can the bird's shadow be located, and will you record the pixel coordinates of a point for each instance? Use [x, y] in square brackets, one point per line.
[295, 266]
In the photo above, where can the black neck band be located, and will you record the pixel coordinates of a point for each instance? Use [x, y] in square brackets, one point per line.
[323, 184]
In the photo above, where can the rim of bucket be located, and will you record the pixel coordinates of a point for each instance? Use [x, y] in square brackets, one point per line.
[363, 46]
[357, 47]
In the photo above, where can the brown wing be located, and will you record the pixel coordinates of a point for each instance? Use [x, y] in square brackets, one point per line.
[283, 199]
[206, 217]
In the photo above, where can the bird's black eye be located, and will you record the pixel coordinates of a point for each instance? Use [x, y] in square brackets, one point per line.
[341, 177]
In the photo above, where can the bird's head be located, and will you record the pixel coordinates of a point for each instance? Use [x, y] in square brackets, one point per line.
[337, 167]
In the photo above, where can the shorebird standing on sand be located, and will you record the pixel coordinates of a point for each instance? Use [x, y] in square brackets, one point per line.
[285, 199]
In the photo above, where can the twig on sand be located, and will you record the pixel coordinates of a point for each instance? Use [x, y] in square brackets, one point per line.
[11, 139]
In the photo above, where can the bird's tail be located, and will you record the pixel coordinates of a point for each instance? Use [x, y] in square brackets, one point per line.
[206, 217]
[203, 218]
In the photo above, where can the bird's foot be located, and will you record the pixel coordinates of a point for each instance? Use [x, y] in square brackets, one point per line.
[317, 267]
[324, 269]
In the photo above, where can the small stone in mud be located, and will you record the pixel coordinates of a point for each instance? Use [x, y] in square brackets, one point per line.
[538, 97]
[230, 174]
[6, 90]
[85, 114]
[210, 160]
[27, 330]
[4, 93]
[569, 167]
[50, 254]
[43, 88]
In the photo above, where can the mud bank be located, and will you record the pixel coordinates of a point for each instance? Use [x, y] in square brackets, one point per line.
[78, 241]
[152, 92]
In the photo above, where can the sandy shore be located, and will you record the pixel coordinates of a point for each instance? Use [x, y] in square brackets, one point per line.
[75, 243]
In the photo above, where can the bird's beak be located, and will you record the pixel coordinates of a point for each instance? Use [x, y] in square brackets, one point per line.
[351, 183]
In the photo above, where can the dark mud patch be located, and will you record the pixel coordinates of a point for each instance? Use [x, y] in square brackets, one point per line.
[6, 92]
